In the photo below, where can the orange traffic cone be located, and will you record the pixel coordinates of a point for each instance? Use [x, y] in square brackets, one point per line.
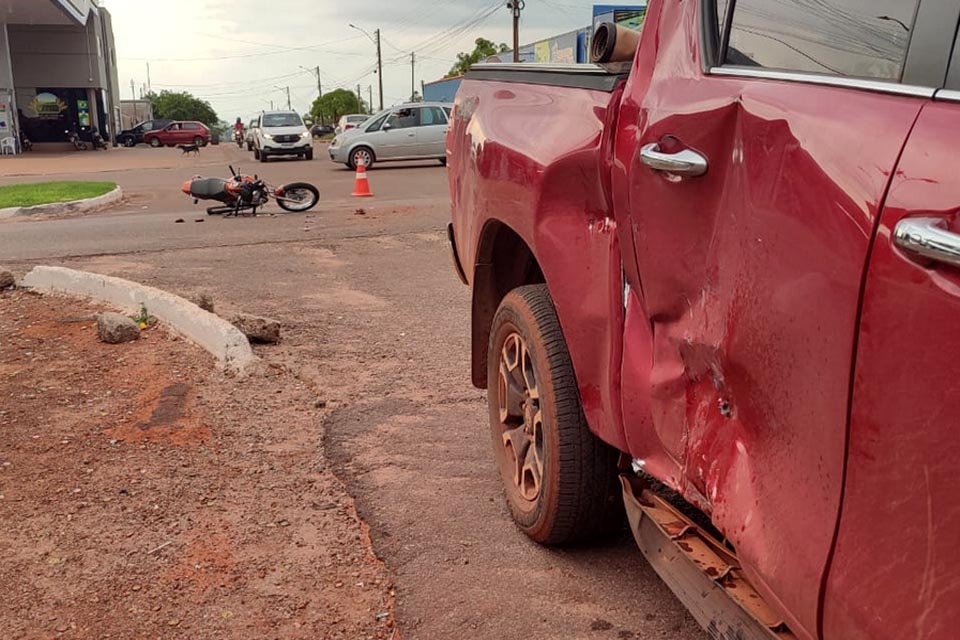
[361, 188]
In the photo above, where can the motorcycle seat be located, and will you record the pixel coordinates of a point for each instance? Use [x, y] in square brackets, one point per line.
[208, 188]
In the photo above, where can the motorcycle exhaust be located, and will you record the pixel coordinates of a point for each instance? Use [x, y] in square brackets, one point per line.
[613, 43]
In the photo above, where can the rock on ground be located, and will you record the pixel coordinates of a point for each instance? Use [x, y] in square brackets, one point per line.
[257, 329]
[7, 279]
[204, 301]
[115, 328]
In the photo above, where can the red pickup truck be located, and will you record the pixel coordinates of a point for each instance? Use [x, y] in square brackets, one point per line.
[734, 267]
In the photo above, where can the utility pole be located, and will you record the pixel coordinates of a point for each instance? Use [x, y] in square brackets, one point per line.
[133, 90]
[149, 84]
[359, 95]
[375, 41]
[413, 76]
[380, 69]
[289, 106]
[370, 104]
[516, 6]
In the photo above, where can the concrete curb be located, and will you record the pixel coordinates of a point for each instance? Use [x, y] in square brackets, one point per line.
[207, 330]
[60, 208]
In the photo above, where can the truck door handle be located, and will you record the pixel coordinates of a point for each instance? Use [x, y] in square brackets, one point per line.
[928, 237]
[684, 163]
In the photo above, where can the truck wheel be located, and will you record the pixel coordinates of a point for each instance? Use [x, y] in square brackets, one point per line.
[560, 480]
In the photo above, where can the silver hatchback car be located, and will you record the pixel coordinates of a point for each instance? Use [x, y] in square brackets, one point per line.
[415, 131]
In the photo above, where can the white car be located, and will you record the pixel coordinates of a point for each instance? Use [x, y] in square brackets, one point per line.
[415, 131]
[281, 133]
[349, 122]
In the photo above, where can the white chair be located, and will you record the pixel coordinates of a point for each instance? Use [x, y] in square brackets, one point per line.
[8, 145]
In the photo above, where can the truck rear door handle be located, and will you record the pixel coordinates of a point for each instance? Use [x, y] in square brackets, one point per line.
[928, 237]
[684, 163]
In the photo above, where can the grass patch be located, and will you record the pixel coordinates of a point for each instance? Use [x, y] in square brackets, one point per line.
[29, 195]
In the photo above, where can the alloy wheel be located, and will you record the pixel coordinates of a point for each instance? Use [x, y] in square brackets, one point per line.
[521, 419]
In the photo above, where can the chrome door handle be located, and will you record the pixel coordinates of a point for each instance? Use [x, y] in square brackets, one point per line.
[684, 163]
[928, 237]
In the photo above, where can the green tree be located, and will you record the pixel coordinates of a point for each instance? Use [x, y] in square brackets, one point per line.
[335, 104]
[484, 49]
[180, 105]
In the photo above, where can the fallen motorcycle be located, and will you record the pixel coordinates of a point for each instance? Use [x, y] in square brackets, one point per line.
[243, 194]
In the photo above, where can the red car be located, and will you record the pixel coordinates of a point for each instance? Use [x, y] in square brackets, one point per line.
[179, 133]
[734, 267]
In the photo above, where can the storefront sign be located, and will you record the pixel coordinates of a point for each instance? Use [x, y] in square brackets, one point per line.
[46, 105]
[83, 113]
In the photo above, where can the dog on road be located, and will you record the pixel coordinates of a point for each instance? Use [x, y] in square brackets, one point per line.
[189, 148]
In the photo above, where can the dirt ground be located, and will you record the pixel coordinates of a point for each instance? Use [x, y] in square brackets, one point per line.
[143, 494]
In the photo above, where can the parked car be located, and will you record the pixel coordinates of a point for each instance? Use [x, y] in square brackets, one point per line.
[177, 133]
[736, 264]
[249, 136]
[350, 121]
[282, 133]
[415, 131]
[133, 137]
[320, 130]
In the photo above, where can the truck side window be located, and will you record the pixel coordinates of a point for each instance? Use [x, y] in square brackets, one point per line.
[857, 38]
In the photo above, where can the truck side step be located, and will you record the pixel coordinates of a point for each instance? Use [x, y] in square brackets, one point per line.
[700, 570]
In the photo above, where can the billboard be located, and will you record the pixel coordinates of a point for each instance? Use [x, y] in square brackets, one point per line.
[631, 16]
[563, 49]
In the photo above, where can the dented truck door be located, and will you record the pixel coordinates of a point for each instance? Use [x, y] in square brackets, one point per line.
[751, 198]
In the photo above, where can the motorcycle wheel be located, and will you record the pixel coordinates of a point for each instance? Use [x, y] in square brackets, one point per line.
[298, 197]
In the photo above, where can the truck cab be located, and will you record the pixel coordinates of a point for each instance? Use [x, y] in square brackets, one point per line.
[729, 270]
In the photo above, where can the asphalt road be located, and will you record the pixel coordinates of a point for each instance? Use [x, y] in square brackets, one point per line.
[377, 322]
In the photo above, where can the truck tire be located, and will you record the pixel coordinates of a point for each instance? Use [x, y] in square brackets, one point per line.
[564, 488]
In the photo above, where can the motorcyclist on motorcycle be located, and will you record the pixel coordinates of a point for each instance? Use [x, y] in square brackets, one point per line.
[238, 132]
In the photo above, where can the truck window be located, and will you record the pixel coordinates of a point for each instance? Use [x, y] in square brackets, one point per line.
[856, 38]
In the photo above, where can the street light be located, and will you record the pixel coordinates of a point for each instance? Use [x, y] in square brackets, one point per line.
[379, 57]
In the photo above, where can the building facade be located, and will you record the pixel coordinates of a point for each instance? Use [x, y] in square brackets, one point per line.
[58, 70]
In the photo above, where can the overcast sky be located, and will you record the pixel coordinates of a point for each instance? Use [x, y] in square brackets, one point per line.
[237, 53]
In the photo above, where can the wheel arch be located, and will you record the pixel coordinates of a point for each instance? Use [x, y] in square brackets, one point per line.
[504, 262]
